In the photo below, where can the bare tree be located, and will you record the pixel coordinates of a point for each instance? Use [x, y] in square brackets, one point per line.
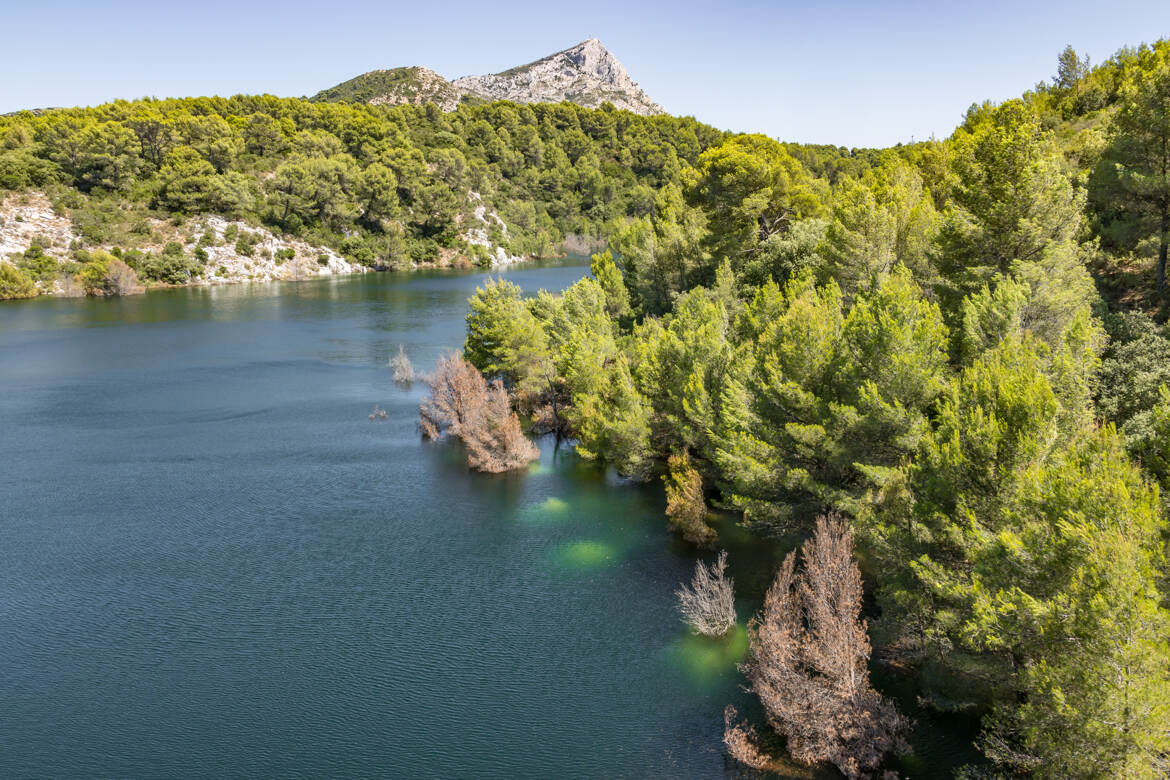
[708, 604]
[462, 403]
[807, 661]
[403, 370]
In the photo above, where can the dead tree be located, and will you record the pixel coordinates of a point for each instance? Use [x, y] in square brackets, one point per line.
[708, 604]
[807, 661]
[403, 369]
[463, 404]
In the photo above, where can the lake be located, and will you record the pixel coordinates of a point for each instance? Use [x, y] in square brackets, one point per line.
[214, 564]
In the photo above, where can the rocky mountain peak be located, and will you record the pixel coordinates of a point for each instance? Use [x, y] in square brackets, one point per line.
[587, 74]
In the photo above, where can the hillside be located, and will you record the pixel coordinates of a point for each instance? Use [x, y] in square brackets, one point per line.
[587, 74]
[397, 86]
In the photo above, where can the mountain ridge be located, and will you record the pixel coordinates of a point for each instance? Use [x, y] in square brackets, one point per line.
[587, 74]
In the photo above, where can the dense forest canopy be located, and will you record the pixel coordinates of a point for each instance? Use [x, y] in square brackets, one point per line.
[384, 186]
[957, 345]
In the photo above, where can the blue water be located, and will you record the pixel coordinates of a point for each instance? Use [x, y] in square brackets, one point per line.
[214, 564]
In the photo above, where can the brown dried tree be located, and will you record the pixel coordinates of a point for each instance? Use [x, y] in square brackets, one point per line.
[463, 404]
[807, 662]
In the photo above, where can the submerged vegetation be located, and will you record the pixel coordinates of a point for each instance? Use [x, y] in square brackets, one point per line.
[956, 348]
[465, 405]
[807, 663]
[950, 354]
[707, 605]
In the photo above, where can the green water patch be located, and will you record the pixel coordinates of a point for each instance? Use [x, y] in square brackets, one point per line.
[708, 660]
[554, 505]
[551, 510]
[587, 555]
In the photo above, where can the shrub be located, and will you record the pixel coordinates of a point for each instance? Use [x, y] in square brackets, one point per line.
[171, 267]
[245, 244]
[403, 370]
[15, 284]
[37, 265]
[322, 260]
[92, 275]
[708, 604]
[121, 279]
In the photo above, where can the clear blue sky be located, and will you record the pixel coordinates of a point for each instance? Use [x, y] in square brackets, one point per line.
[849, 73]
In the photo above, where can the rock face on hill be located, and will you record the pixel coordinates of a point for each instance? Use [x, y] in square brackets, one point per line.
[416, 86]
[587, 74]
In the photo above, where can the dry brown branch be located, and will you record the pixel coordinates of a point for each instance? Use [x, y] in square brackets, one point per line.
[743, 743]
[685, 506]
[808, 657]
[463, 404]
[403, 369]
[708, 604]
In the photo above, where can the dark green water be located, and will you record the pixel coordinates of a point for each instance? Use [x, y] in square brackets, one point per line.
[213, 564]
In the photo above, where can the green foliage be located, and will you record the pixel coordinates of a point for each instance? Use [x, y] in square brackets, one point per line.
[171, 266]
[15, 284]
[879, 221]
[825, 401]
[1131, 185]
[246, 243]
[617, 298]
[395, 178]
[661, 252]
[1014, 205]
[38, 265]
[752, 189]
[1066, 589]
[505, 340]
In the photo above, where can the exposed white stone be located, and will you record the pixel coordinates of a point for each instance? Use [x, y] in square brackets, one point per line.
[587, 74]
[29, 218]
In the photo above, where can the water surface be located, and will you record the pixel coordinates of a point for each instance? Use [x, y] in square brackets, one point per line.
[213, 564]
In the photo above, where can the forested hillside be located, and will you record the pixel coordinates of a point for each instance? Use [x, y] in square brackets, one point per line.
[957, 345]
[386, 187]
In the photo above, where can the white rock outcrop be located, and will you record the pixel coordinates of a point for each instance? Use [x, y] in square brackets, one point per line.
[587, 74]
[29, 218]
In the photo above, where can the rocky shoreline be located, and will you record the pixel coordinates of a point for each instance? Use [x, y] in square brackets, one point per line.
[230, 251]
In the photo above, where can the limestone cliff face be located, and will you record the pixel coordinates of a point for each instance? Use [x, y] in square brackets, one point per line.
[587, 74]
